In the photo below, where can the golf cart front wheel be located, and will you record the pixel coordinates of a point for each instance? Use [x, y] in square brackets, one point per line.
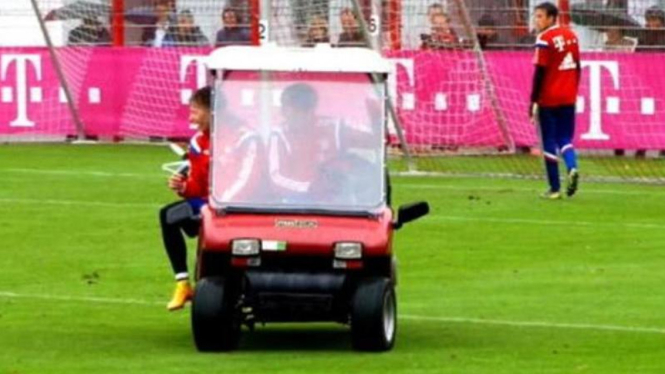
[215, 325]
[374, 315]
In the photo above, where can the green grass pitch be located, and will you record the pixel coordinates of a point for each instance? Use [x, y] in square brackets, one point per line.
[493, 281]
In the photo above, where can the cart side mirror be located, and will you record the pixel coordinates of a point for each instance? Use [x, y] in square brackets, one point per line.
[410, 212]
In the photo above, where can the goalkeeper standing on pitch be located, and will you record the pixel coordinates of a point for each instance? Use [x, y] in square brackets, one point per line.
[554, 95]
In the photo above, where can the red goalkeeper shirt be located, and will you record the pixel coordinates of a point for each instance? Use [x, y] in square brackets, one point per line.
[558, 51]
[198, 155]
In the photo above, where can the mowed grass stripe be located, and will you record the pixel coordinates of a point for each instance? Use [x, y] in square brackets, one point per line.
[433, 216]
[441, 319]
[402, 182]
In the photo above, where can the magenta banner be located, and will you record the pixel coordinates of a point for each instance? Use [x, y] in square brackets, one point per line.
[444, 99]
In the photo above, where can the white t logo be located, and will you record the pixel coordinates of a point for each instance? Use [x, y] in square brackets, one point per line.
[595, 92]
[559, 43]
[21, 61]
[408, 99]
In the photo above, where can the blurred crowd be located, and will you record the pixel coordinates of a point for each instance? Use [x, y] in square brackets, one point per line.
[608, 25]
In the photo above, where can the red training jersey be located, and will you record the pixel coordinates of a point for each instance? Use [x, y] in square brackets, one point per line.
[198, 155]
[558, 51]
[295, 155]
[239, 162]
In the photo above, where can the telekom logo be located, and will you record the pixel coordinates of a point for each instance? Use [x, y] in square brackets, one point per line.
[24, 90]
[201, 74]
[599, 93]
[595, 97]
[22, 83]
[409, 102]
[23, 63]
[613, 103]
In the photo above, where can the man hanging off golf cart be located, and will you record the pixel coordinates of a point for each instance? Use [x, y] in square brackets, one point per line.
[313, 240]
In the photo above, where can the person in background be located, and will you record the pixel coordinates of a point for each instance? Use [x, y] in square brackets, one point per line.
[615, 41]
[351, 35]
[91, 32]
[154, 36]
[442, 35]
[488, 35]
[317, 32]
[186, 33]
[653, 37]
[433, 10]
[232, 32]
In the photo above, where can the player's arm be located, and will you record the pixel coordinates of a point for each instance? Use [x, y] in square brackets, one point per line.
[274, 167]
[536, 87]
[196, 184]
[248, 173]
[541, 61]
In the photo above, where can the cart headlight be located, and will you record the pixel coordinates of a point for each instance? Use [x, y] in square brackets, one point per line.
[348, 251]
[245, 247]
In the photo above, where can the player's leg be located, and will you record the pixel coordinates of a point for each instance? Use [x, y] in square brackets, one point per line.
[547, 121]
[173, 218]
[565, 136]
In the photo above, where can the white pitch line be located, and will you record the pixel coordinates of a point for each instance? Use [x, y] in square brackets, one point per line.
[520, 221]
[522, 189]
[97, 300]
[104, 300]
[105, 174]
[555, 325]
[77, 203]
[86, 173]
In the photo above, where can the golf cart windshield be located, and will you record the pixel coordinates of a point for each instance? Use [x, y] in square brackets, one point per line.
[298, 142]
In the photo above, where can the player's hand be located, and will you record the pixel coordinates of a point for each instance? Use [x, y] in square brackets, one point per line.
[533, 112]
[177, 183]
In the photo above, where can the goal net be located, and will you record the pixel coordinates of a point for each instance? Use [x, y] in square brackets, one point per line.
[460, 88]
[33, 106]
[463, 71]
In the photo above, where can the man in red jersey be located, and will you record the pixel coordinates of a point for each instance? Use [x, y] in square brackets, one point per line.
[193, 186]
[181, 216]
[302, 137]
[554, 94]
[309, 157]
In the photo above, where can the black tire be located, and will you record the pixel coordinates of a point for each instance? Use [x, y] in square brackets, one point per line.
[374, 315]
[215, 323]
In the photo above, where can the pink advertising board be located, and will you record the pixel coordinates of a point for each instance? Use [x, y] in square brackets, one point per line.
[443, 98]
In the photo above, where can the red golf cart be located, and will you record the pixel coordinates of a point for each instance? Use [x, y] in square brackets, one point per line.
[299, 227]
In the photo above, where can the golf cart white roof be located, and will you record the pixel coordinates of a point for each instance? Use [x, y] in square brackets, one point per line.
[322, 58]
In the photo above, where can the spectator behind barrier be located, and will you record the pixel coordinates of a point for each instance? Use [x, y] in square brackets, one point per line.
[91, 32]
[615, 41]
[351, 35]
[185, 33]
[442, 35]
[317, 32]
[653, 38]
[232, 32]
[433, 10]
[488, 35]
[154, 35]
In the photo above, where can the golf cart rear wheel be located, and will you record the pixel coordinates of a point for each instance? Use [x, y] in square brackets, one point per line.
[374, 315]
[214, 321]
